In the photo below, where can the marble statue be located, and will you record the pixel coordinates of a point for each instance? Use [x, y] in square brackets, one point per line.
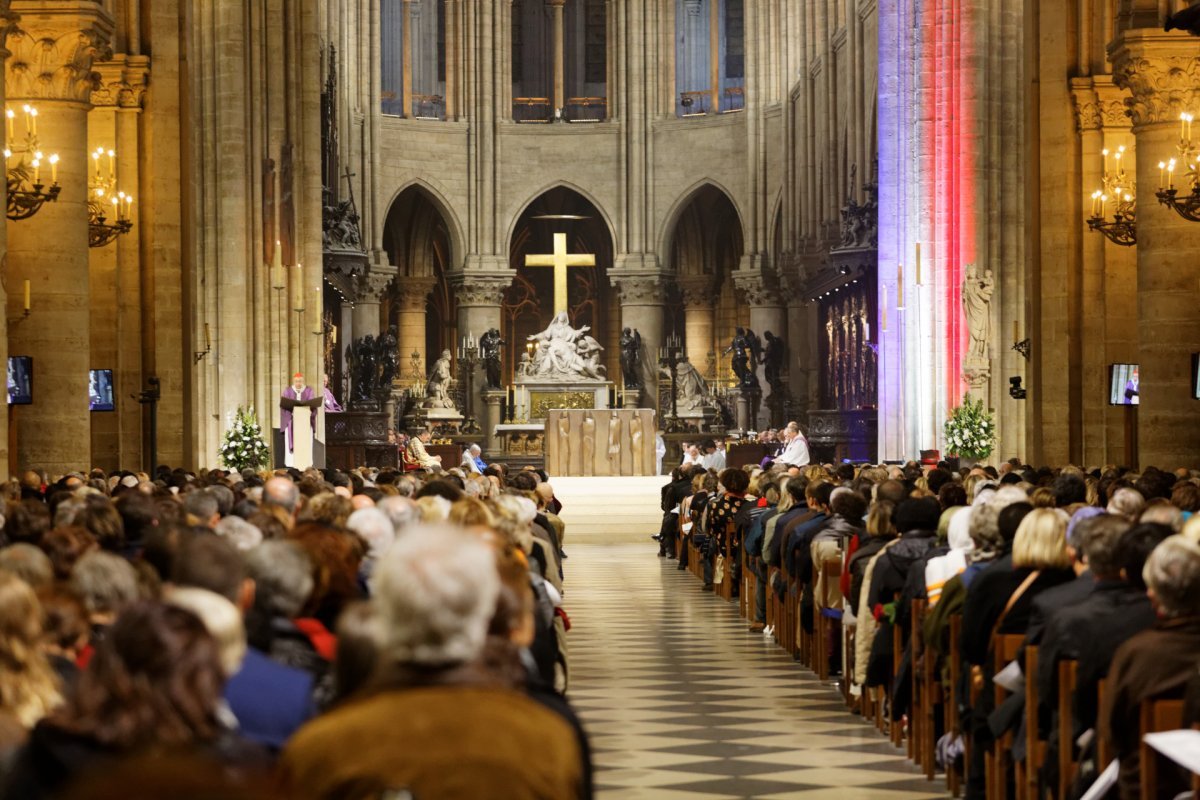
[437, 390]
[692, 389]
[489, 349]
[614, 442]
[631, 358]
[976, 299]
[564, 445]
[565, 353]
[637, 438]
[588, 451]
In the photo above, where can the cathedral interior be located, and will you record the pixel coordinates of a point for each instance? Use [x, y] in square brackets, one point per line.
[922, 200]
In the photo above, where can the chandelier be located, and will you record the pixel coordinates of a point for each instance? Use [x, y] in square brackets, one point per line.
[1187, 206]
[103, 195]
[26, 192]
[1117, 188]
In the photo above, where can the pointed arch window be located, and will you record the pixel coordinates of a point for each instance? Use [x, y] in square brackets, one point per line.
[560, 60]
[413, 54]
[710, 57]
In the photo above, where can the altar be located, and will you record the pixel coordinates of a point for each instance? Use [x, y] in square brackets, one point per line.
[600, 442]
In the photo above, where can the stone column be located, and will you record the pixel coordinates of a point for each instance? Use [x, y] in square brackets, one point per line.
[478, 299]
[406, 66]
[412, 297]
[7, 22]
[1162, 72]
[714, 56]
[371, 289]
[556, 9]
[641, 299]
[698, 318]
[51, 67]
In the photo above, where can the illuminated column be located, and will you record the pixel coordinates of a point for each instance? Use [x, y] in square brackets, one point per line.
[412, 297]
[372, 288]
[556, 8]
[714, 55]
[406, 66]
[51, 67]
[1162, 72]
[698, 297]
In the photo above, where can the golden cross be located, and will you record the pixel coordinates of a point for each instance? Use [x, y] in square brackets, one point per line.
[560, 260]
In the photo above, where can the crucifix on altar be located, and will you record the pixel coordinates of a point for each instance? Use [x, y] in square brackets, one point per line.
[560, 260]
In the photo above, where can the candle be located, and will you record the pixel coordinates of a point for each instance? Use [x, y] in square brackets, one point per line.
[37, 172]
[1016, 338]
[883, 306]
[298, 288]
[53, 168]
[207, 338]
[1104, 153]
[33, 122]
[1183, 127]
[318, 328]
[333, 334]
[27, 303]
[112, 164]
[899, 287]
[918, 263]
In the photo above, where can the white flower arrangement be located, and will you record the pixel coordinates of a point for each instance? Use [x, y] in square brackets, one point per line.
[243, 445]
[970, 430]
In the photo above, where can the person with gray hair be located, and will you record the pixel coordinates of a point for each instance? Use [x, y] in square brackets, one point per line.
[240, 533]
[282, 492]
[1156, 663]
[402, 512]
[375, 528]
[202, 506]
[434, 724]
[28, 563]
[1127, 503]
[106, 584]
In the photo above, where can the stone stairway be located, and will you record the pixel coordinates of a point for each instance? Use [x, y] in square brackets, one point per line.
[610, 510]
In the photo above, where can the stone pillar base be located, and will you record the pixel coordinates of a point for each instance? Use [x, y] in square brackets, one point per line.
[493, 444]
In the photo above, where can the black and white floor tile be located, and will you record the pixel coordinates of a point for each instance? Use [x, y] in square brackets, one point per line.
[684, 703]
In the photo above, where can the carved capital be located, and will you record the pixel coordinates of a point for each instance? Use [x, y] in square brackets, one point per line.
[757, 290]
[697, 291]
[412, 293]
[122, 82]
[473, 290]
[1161, 72]
[373, 286]
[53, 49]
[641, 290]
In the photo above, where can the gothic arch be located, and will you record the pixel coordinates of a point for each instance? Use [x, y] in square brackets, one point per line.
[437, 199]
[515, 218]
[685, 200]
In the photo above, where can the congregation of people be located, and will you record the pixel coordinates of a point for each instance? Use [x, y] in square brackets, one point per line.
[931, 590]
[316, 634]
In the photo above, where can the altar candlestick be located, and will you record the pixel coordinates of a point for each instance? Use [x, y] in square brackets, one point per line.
[918, 263]
[27, 303]
[899, 287]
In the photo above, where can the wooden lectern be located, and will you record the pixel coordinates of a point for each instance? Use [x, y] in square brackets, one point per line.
[302, 429]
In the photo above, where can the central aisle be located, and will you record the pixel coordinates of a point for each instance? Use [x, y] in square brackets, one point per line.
[681, 701]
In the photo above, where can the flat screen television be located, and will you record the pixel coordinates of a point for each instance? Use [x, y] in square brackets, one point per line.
[20, 380]
[1124, 387]
[1196, 376]
[100, 390]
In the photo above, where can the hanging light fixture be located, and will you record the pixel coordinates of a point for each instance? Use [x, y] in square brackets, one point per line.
[1117, 188]
[105, 198]
[26, 192]
[1187, 206]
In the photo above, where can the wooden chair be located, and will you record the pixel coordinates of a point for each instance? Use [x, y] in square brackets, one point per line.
[827, 614]
[748, 589]
[954, 778]
[1104, 753]
[925, 691]
[1029, 771]
[1157, 715]
[999, 762]
[1068, 672]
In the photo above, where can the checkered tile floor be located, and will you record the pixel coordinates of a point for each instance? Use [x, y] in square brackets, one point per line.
[682, 702]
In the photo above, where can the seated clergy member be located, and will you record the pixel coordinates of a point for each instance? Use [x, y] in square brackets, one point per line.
[432, 724]
[417, 453]
[472, 460]
[795, 452]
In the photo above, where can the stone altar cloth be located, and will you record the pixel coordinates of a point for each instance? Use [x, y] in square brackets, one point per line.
[600, 442]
